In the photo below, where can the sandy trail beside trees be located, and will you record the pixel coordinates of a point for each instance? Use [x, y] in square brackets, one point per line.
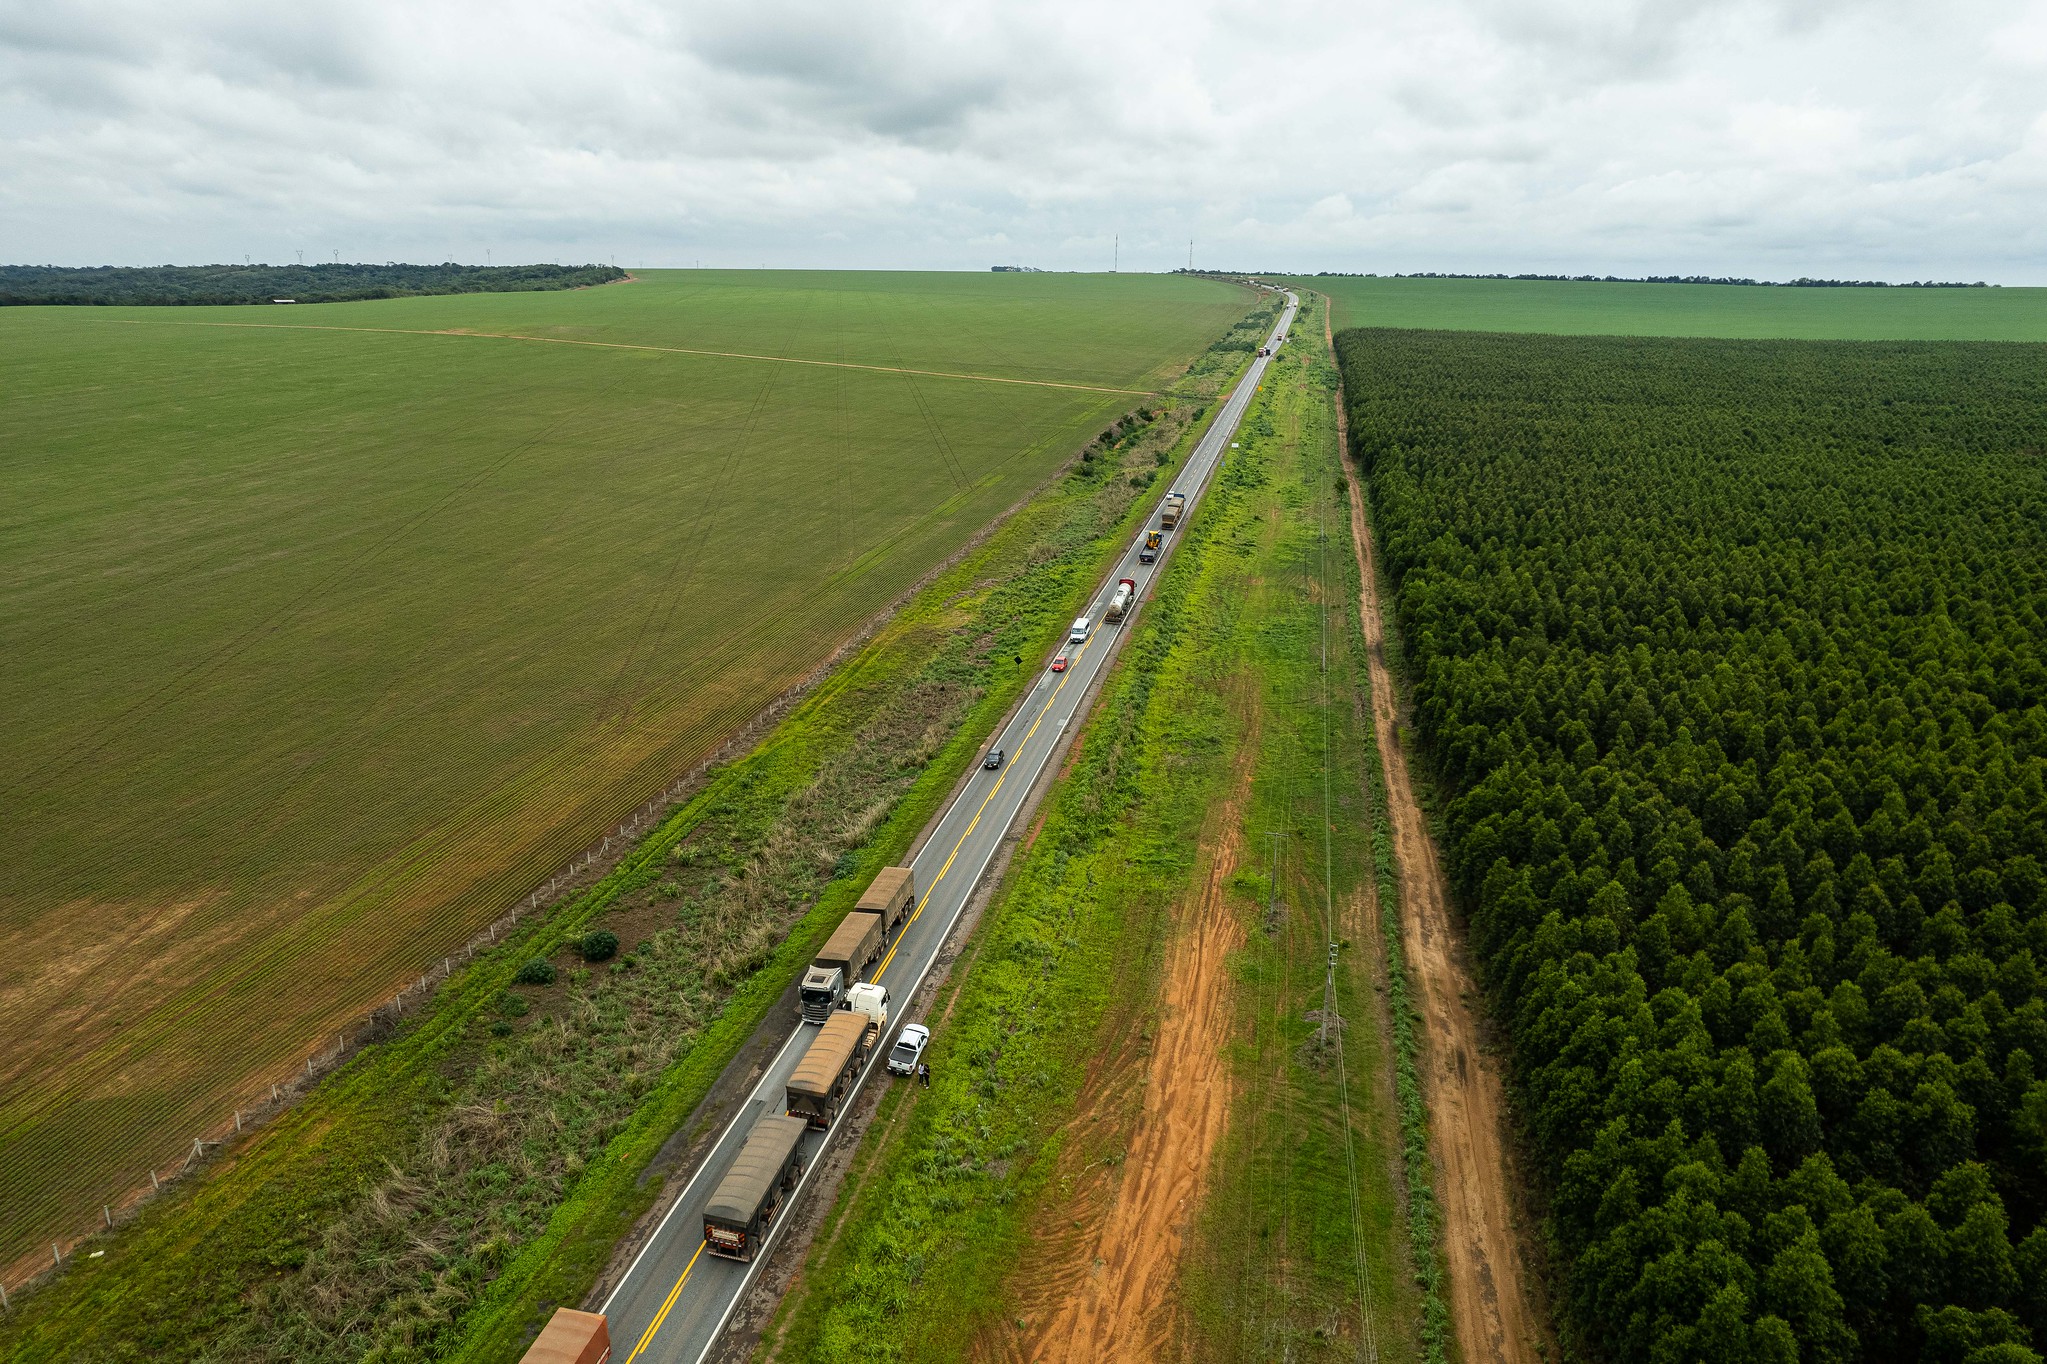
[1489, 1281]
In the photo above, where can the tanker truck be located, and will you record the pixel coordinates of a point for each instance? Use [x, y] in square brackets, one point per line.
[1119, 604]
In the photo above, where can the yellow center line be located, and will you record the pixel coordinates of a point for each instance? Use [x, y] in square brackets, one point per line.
[655, 1325]
[968, 832]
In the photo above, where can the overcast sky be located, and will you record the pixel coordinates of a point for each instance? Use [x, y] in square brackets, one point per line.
[1872, 139]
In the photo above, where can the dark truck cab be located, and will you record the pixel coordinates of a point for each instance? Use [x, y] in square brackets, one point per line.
[737, 1218]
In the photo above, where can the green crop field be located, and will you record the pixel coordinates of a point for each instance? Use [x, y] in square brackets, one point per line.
[332, 630]
[1570, 308]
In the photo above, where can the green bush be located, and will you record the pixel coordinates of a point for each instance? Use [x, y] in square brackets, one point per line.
[538, 971]
[599, 944]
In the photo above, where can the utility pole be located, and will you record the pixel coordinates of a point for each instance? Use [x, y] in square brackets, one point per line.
[1115, 252]
[1272, 899]
[1190, 255]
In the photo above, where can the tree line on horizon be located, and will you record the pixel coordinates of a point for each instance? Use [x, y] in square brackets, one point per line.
[213, 285]
[1731, 660]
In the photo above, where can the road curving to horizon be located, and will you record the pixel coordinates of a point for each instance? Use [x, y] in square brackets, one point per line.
[674, 1300]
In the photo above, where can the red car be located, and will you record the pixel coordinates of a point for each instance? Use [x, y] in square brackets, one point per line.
[1059, 664]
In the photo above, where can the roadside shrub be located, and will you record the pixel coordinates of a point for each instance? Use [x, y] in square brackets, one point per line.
[513, 1006]
[538, 971]
[599, 944]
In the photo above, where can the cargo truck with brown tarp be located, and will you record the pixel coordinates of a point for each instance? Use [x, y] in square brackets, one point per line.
[737, 1218]
[853, 947]
[571, 1337]
[893, 895]
[824, 1077]
[1176, 505]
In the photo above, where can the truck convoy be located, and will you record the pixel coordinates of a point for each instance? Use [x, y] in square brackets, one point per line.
[1119, 604]
[1176, 504]
[1150, 553]
[857, 943]
[824, 1077]
[737, 1218]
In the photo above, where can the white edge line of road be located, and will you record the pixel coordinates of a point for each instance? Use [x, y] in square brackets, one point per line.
[1241, 401]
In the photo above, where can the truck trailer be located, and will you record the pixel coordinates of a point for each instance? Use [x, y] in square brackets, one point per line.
[1170, 513]
[1119, 604]
[823, 1079]
[737, 1218]
[852, 948]
[1153, 539]
[893, 896]
[571, 1337]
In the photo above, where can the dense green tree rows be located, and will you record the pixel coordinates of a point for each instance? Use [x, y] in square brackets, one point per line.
[1732, 657]
[217, 284]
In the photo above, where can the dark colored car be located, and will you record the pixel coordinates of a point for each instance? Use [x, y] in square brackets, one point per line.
[994, 759]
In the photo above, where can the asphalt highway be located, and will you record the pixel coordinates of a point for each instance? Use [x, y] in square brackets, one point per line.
[676, 1297]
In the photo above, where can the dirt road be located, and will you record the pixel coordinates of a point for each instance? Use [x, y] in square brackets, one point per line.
[1490, 1304]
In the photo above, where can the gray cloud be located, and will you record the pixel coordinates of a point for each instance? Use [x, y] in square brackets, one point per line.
[1742, 136]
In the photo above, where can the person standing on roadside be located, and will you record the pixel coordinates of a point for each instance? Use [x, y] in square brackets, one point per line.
[924, 1074]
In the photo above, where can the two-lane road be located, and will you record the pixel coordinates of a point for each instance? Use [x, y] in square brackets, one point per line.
[677, 1296]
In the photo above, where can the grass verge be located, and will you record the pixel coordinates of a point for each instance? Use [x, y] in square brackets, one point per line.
[967, 1219]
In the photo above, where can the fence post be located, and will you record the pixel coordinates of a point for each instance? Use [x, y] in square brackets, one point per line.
[56, 1256]
[238, 1120]
[154, 1187]
[107, 1213]
[273, 1092]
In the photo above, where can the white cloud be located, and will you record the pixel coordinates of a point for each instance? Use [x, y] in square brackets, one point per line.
[1879, 139]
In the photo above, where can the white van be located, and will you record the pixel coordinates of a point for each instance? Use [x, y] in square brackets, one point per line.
[1078, 634]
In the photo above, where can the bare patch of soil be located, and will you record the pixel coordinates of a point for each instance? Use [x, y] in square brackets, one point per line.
[1108, 1253]
[1490, 1301]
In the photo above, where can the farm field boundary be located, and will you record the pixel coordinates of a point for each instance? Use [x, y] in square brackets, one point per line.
[1457, 1123]
[664, 350]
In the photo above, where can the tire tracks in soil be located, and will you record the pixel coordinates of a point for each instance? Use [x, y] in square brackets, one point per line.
[1116, 1301]
[1491, 1308]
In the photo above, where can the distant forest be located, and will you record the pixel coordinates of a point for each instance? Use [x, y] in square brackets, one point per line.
[1800, 283]
[163, 285]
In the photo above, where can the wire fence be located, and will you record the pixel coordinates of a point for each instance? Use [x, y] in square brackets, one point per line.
[332, 1050]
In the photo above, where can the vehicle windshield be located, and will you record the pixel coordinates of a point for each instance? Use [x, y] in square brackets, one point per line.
[811, 996]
